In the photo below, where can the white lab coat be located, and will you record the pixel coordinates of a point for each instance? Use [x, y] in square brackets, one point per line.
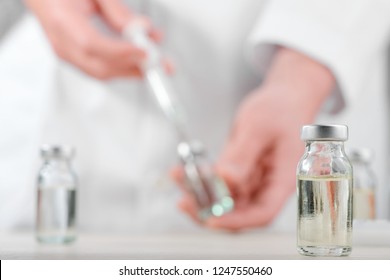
[221, 49]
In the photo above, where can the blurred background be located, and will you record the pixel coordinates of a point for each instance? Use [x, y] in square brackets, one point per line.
[27, 64]
[10, 12]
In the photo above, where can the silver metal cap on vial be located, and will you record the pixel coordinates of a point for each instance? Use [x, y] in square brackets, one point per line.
[57, 151]
[324, 132]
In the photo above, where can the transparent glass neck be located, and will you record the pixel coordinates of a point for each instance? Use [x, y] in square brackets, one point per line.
[324, 158]
[323, 148]
[57, 163]
[57, 171]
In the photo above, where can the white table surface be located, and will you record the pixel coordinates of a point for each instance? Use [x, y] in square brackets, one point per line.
[370, 242]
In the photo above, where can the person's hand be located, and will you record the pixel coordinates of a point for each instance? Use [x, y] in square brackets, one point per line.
[262, 152]
[69, 27]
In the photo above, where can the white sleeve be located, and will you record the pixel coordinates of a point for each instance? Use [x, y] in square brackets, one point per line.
[344, 35]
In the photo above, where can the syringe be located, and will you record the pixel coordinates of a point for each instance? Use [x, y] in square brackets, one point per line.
[209, 190]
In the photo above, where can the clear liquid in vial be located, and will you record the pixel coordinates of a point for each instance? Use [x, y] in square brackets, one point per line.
[324, 216]
[56, 214]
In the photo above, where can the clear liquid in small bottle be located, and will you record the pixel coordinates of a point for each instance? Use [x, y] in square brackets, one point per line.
[56, 195]
[56, 214]
[324, 216]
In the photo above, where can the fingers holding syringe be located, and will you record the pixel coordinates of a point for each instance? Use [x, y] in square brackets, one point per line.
[71, 29]
[107, 57]
[104, 57]
[118, 16]
[136, 29]
[101, 57]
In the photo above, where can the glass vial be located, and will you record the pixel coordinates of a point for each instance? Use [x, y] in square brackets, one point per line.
[364, 184]
[324, 188]
[209, 190]
[56, 205]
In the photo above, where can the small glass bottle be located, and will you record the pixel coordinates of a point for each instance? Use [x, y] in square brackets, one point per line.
[56, 205]
[210, 192]
[364, 183]
[324, 187]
